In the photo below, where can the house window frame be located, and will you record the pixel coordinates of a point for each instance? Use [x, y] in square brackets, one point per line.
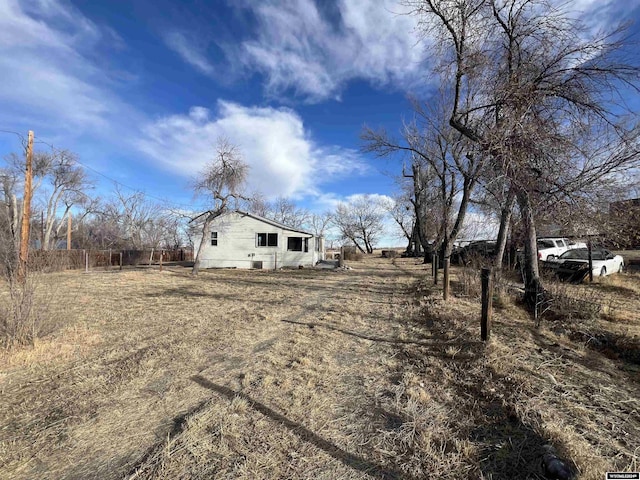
[214, 239]
[294, 248]
[270, 239]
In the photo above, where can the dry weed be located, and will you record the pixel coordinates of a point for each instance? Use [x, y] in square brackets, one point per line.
[352, 374]
[25, 305]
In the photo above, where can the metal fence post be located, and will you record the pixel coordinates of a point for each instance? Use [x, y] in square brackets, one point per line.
[487, 303]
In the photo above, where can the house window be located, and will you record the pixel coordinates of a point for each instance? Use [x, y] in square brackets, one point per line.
[306, 244]
[214, 239]
[267, 239]
[294, 244]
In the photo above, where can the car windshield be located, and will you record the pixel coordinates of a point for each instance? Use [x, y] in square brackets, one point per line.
[545, 244]
[576, 254]
[583, 254]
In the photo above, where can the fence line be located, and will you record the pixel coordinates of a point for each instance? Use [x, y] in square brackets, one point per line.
[80, 259]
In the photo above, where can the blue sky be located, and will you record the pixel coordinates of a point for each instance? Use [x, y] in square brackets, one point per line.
[141, 89]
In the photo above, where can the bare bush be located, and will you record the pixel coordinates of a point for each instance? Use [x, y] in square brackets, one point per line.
[569, 302]
[469, 283]
[504, 293]
[351, 254]
[24, 305]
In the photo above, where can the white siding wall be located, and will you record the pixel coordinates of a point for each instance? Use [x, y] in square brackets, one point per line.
[237, 245]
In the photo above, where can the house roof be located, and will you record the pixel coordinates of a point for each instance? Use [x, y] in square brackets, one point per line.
[262, 219]
[273, 222]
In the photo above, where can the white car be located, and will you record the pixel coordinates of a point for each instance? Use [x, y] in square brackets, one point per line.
[550, 248]
[577, 259]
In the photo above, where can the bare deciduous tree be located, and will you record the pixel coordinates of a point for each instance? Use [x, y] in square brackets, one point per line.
[9, 220]
[536, 93]
[132, 216]
[258, 205]
[401, 212]
[288, 213]
[64, 185]
[360, 221]
[454, 168]
[220, 182]
[281, 210]
[59, 184]
[319, 223]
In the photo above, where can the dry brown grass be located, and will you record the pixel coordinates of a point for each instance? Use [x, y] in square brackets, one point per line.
[349, 374]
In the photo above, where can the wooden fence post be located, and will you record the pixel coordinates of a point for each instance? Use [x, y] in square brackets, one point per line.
[109, 264]
[434, 267]
[120, 260]
[590, 260]
[275, 261]
[86, 262]
[487, 303]
[161, 251]
[341, 260]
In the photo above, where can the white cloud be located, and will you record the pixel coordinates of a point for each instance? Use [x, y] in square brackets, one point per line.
[598, 15]
[375, 198]
[189, 51]
[329, 201]
[282, 157]
[300, 50]
[45, 75]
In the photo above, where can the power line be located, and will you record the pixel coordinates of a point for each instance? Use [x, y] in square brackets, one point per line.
[19, 135]
[165, 201]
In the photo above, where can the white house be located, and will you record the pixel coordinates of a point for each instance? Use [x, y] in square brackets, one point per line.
[242, 240]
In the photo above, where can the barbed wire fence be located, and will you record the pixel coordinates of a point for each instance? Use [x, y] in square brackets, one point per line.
[554, 299]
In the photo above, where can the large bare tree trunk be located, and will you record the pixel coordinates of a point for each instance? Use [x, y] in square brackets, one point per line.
[359, 247]
[15, 214]
[503, 232]
[420, 207]
[532, 284]
[423, 237]
[52, 207]
[205, 235]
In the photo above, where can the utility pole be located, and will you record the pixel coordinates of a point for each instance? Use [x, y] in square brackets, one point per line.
[26, 211]
[69, 230]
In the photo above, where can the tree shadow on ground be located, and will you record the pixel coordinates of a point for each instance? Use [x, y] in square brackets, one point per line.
[437, 343]
[348, 459]
[185, 292]
[511, 449]
[311, 284]
[623, 350]
[612, 345]
[483, 400]
[508, 447]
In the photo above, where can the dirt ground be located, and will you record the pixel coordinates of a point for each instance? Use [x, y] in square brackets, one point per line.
[314, 374]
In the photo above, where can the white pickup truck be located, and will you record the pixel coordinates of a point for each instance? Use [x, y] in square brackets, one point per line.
[549, 248]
